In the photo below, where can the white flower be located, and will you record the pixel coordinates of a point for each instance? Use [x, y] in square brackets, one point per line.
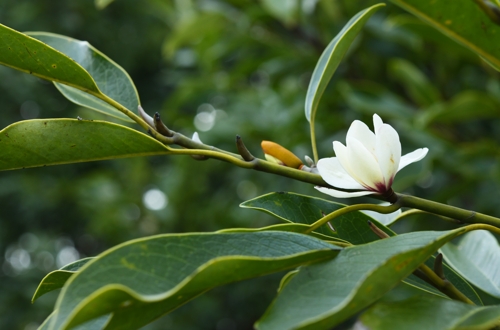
[368, 163]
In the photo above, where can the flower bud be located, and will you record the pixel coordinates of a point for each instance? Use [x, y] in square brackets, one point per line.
[280, 155]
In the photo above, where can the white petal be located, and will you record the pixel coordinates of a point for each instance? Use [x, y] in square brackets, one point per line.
[377, 122]
[147, 118]
[363, 166]
[334, 174]
[388, 152]
[359, 131]
[412, 157]
[342, 156]
[344, 194]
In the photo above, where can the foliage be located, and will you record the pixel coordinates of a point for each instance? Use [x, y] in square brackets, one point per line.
[434, 91]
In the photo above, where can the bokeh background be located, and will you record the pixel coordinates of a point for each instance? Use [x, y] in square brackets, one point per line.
[224, 68]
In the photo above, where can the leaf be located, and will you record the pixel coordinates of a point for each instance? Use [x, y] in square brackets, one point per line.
[351, 227]
[140, 280]
[286, 11]
[477, 258]
[42, 142]
[95, 324]
[331, 57]
[462, 21]
[414, 81]
[429, 312]
[29, 55]
[56, 279]
[112, 80]
[323, 295]
[298, 208]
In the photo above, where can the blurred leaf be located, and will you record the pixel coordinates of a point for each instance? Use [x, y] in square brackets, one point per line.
[429, 312]
[101, 4]
[331, 57]
[56, 279]
[42, 142]
[95, 324]
[112, 80]
[370, 98]
[462, 21]
[143, 279]
[29, 55]
[477, 258]
[467, 105]
[323, 295]
[287, 11]
[418, 87]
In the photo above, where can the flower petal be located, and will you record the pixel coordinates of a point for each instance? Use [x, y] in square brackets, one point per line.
[344, 194]
[334, 174]
[388, 152]
[363, 166]
[377, 122]
[412, 157]
[359, 131]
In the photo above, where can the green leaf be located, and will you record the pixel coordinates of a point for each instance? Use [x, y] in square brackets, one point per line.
[331, 57]
[351, 227]
[323, 295]
[56, 279]
[95, 324]
[291, 207]
[414, 81]
[429, 312]
[477, 258]
[140, 280]
[286, 11]
[29, 55]
[462, 21]
[112, 80]
[43, 142]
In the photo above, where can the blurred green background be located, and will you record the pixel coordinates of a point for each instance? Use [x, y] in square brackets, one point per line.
[224, 68]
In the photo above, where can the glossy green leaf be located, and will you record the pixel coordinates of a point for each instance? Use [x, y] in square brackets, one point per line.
[331, 57]
[297, 208]
[416, 84]
[140, 280]
[42, 142]
[95, 324]
[351, 227]
[323, 295]
[111, 79]
[56, 279]
[29, 55]
[462, 21]
[430, 312]
[477, 258]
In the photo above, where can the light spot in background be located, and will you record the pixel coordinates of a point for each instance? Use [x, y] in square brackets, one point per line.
[19, 260]
[246, 190]
[154, 199]
[426, 180]
[205, 119]
[148, 225]
[185, 57]
[29, 110]
[66, 255]
[131, 212]
[45, 261]
[29, 241]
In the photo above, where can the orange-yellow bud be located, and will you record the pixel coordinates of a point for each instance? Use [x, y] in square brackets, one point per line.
[282, 154]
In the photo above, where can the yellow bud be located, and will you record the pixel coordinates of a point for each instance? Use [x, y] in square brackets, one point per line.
[280, 154]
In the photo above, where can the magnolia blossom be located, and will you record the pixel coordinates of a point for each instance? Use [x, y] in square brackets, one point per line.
[368, 163]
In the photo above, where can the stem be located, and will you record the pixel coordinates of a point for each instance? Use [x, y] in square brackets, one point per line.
[444, 286]
[464, 216]
[357, 207]
[415, 211]
[313, 141]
